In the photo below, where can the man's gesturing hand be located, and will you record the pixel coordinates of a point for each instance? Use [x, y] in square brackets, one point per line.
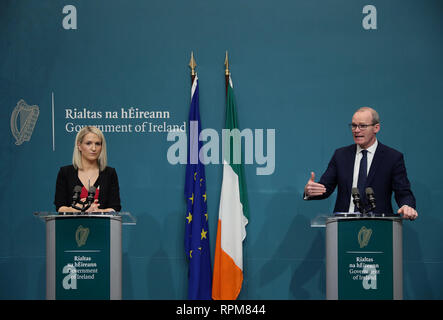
[312, 188]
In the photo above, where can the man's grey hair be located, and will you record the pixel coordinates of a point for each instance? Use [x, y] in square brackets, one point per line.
[375, 116]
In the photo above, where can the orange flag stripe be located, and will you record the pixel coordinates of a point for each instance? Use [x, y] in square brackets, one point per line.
[227, 276]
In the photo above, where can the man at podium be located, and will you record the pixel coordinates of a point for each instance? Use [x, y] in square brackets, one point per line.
[367, 163]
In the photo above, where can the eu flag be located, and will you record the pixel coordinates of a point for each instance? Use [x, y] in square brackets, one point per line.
[196, 221]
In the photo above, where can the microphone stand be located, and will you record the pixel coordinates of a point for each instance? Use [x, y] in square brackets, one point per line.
[371, 199]
[357, 201]
[363, 208]
[85, 205]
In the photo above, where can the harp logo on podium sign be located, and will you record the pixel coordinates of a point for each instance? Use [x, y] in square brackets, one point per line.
[81, 235]
[23, 120]
[364, 235]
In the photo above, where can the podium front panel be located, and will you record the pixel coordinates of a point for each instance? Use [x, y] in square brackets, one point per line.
[83, 257]
[364, 258]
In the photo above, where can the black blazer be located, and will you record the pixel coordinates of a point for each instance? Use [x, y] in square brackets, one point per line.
[386, 175]
[67, 179]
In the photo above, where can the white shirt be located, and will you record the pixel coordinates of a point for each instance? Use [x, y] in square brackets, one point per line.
[358, 156]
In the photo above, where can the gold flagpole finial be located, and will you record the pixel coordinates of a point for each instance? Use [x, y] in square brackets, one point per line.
[192, 64]
[227, 64]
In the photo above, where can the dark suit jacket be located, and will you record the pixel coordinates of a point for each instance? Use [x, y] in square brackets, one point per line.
[67, 179]
[387, 174]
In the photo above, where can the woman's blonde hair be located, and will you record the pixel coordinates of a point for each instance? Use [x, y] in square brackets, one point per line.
[77, 156]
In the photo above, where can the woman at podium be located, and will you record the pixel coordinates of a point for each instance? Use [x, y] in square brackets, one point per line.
[89, 179]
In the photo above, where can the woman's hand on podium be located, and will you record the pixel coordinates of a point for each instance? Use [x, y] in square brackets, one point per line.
[94, 207]
[67, 209]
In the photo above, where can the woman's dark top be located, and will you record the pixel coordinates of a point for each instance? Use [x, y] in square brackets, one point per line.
[107, 183]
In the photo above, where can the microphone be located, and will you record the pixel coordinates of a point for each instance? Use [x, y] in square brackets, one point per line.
[91, 195]
[76, 195]
[371, 197]
[356, 198]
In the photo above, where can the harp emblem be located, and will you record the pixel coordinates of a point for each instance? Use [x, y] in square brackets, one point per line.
[23, 120]
[364, 235]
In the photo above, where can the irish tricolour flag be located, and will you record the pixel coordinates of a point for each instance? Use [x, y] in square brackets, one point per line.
[233, 213]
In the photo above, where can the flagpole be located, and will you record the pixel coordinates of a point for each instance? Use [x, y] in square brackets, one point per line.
[227, 71]
[192, 65]
[196, 240]
[232, 215]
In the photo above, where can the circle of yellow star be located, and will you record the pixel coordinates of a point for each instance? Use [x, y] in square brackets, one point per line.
[189, 217]
[203, 234]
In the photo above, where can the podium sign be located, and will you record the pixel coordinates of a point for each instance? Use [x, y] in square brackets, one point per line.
[364, 258]
[82, 256]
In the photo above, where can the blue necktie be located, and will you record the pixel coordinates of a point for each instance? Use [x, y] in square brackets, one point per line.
[362, 176]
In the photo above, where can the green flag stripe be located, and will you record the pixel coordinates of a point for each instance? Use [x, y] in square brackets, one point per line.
[231, 123]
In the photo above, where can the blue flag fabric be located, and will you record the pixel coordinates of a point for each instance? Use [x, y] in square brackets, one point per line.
[197, 232]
